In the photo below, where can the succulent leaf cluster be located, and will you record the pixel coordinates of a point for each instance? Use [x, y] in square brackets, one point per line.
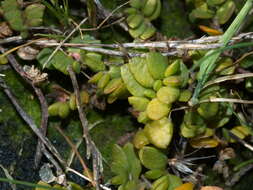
[220, 10]
[139, 17]
[19, 19]
[152, 85]
[126, 166]
[153, 160]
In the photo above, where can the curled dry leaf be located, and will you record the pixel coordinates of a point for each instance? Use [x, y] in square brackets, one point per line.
[210, 31]
[211, 188]
[27, 53]
[204, 143]
[185, 186]
[5, 30]
[227, 154]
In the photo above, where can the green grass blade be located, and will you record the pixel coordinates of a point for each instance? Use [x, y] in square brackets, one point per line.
[27, 184]
[208, 64]
[220, 50]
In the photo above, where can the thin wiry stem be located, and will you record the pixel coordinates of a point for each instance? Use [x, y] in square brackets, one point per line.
[231, 100]
[244, 143]
[202, 43]
[42, 100]
[73, 147]
[8, 176]
[227, 78]
[91, 148]
[31, 123]
[108, 14]
[84, 177]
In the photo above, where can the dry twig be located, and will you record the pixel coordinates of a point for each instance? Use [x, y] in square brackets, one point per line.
[42, 100]
[91, 148]
[238, 175]
[31, 123]
[84, 177]
[8, 176]
[73, 147]
[107, 14]
[227, 78]
[230, 100]
[202, 43]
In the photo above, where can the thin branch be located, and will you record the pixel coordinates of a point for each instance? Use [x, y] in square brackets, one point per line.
[119, 21]
[180, 45]
[91, 148]
[73, 147]
[144, 45]
[72, 154]
[31, 123]
[231, 100]
[237, 61]
[77, 173]
[176, 46]
[227, 78]
[43, 123]
[243, 57]
[11, 39]
[8, 176]
[107, 14]
[84, 177]
[122, 54]
[244, 143]
[202, 43]
[20, 46]
[46, 29]
[82, 115]
[238, 175]
[100, 50]
[42, 100]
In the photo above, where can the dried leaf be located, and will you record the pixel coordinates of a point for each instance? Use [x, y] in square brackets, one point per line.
[204, 143]
[27, 53]
[5, 30]
[211, 188]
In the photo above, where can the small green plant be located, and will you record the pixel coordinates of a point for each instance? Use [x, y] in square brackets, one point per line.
[139, 17]
[20, 20]
[126, 166]
[152, 159]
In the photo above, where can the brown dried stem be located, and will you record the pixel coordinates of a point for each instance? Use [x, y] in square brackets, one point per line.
[91, 148]
[71, 144]
[227, 78]
[177, 46]
[202, 43]
[230, 100]
[31, 123]
[42, 100]
[107, 15]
